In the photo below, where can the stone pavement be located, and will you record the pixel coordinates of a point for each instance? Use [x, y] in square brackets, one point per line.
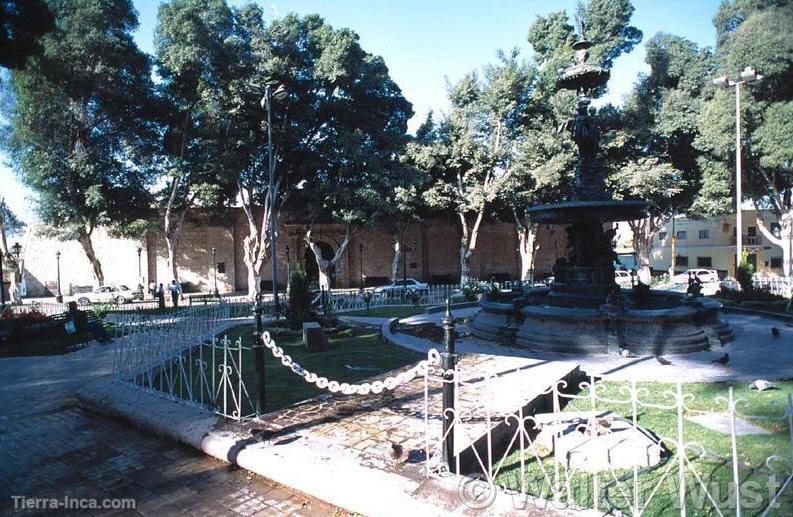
[75, 453]
[754, 353]
[50, 447]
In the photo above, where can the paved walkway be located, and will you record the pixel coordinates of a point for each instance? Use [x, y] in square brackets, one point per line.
[51, 448]
[754, 354]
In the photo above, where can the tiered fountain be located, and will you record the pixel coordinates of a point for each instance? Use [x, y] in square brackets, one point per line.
[584, 310]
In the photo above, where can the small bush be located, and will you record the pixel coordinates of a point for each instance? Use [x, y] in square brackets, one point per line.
[744, 274]
[299, 309]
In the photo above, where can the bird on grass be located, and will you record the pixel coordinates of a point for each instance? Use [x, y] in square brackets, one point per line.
[396, 452]
[722, 360]
[774, 331]
[663, 361]
[624, 352]
[762, 385]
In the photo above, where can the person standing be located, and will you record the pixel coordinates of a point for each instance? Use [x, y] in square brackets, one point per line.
[176, 292]
[161, 297]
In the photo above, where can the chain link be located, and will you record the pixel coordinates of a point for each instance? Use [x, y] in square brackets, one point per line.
[389, 383]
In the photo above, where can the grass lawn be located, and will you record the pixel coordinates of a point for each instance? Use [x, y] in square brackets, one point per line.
[355, 354]
[402, 311]
[714, 466]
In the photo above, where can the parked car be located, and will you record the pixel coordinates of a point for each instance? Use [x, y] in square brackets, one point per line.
[398, 285]
[704, 275]
[119, 294]
[622, 277]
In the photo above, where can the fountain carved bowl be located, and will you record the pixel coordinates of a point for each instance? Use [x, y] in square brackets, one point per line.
[661, 323]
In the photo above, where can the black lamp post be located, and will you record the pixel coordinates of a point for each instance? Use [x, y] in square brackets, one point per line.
[404, 271]
[59, 296]
[288, 269]
[269, 94]
[215, 293]
[2, 281]
[360, 255]
[140, 275]
[16, 252]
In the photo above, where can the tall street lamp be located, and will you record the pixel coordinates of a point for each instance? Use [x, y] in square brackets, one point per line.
[360, 255]
[288, 270]
[140, 275]
[269, 94]
[748, 77]
[59, 296]
[215, 293]
[2, 282]
[16, 252]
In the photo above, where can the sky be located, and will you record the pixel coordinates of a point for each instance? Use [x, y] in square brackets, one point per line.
[426, 42]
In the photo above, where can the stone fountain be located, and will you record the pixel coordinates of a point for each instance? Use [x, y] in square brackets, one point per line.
[584, 310]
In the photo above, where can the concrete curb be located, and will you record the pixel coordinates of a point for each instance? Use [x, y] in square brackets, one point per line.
[304, 463]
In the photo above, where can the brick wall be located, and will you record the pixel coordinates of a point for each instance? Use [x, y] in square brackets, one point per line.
[434, 254]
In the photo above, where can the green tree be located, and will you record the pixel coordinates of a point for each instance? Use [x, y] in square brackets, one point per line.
[338, 132]
[202, 93]
[22, 23]
[652, 149]
[467, 157]
[753, 33]
[10, 225]
[78, 130]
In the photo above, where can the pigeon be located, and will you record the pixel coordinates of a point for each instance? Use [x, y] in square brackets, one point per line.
[396, 452]
[774, 331]
[762, 385]
[722, 360]
[663, 361]
[624, 352]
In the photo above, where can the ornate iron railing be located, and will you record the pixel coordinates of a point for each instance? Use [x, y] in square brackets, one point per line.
[520, 457]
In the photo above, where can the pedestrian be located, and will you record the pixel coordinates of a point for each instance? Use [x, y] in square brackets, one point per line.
[176, 292]
[80, 323]
[153, 290]
[161, 297]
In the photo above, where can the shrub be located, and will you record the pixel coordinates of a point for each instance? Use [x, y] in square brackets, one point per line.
[299, 309]
[472, 289]
[744, 273]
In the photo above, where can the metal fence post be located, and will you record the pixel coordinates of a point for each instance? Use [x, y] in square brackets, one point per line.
[448, 362]
[258, 348]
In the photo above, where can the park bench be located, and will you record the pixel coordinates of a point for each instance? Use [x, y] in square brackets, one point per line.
[204, 298]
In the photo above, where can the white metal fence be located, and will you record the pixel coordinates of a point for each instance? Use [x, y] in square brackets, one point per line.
[780, 286]
[621, 448]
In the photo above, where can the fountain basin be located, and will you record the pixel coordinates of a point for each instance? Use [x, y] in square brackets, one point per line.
[531, 321]
[603, 210]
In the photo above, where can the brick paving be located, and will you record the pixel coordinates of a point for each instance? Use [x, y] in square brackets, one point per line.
[69, 451]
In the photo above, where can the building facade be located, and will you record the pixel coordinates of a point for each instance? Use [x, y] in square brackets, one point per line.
[432, 255]
[711, 244]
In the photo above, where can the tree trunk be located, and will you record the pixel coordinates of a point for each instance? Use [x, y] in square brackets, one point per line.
[784, 241]
[643, 233]
[325, 266]
[84, 238]
[527, 246]
[397, 258]
[468, 243]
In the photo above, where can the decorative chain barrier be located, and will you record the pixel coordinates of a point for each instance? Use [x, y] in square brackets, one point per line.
[389, 383]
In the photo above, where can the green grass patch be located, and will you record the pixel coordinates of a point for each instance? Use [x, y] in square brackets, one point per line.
[400, 311]
[712, 462]
[354, 354]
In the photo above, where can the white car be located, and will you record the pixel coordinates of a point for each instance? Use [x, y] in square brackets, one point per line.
[398, 285]
[119, 294]
[705, 276]
[622, 277]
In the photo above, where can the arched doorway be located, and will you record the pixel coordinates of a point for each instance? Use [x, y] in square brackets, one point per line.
[312, 269]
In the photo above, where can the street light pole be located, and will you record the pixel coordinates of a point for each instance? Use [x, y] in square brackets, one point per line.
[215, 293]
[59, 297]
[269, 94]
[748, 76]
[360, 260]
[2, 281]
[140, 275]
[288, 271]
